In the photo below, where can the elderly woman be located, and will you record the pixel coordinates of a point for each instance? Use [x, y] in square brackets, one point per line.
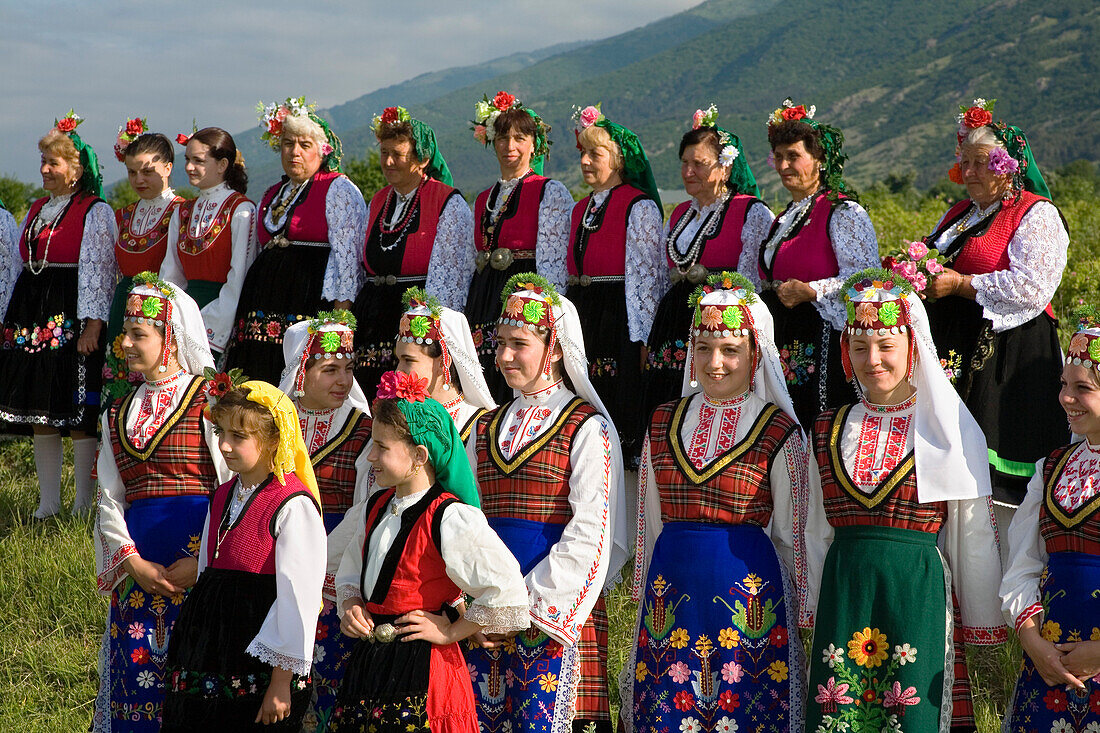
[616, 265]
[309, 226]
[210, 246]
[992, 322]
[52, 356]
[523, 219]
[821, 238]
[719, 228]
[419, 232]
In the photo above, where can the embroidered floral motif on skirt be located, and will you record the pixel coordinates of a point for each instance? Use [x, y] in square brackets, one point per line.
[330, 657]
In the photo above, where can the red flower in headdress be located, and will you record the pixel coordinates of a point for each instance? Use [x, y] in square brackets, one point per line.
[504, 101]
[135, 126]
[955, 174]
[794, 113]
[219, 386]
[390, 115]
[975, 117]
[182, 139]
[401, 386]
[66, 124]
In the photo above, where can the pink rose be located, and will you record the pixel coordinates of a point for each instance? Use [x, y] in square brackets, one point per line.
[934, 267]
[326, 149]
[697, 119]
[479, 133]
[589, 115]
[907, 269]
[920, 282]
[917, 250]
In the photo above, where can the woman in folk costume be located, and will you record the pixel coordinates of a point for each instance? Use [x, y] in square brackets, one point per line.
[616, 265]
[729, 540]
[309, 227]
[549, 470]
[723, 220]
[419, 231]
[142, 236]
[157, 467]
[520, 223]
[419, 545]
[319, 377]
[212, 242]
[821, 238]
[51, 362]
[240, 655]
[1005, 247]
[906, 492]
[1048, 592]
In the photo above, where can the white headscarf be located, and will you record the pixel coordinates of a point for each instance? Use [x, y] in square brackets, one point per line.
[458, 342]
[295, 343]
[188, 329]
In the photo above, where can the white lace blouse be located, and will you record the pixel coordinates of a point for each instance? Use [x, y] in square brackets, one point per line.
[10, 261]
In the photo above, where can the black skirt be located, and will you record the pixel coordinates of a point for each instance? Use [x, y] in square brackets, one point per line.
[213, 684]
[483, 307]
[377, 311]
[809, 350]
[663, 372]
[44, 380]
[283, 286]
[1010, 382]
[614, 361]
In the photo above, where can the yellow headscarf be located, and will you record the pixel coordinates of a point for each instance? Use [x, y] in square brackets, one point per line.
[291, 456]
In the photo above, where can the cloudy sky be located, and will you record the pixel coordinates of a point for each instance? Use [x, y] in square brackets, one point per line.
[174, 61]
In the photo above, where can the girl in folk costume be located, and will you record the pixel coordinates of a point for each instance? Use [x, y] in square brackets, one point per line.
[240, 655]
[616, 265]
[336, 424]
[417, 546]
[419, 231]
[724, 478]
[157, 467]
[142, 236]
[906, 492]
[549, 470]
[522, 220]
[821, 238]
[723, 220]
[212, 244]
[1048, 591]
[51, 362]
[309, 227]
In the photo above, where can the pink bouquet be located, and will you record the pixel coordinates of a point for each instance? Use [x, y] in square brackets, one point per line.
[917, 263]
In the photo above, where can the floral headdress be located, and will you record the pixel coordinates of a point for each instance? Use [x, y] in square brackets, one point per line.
[127, 134]
[875, 302]
[423, 139]
[1016, 159]
[721, 308]
[1084, 347]
[271, 120]
[529, 301]
[741, 179]
[421, 324]
[182, 138]
[486, 112]
[831, 140]
[331, 336]
[92, 180]
[150, 303]
[218, 384]
[636, 168]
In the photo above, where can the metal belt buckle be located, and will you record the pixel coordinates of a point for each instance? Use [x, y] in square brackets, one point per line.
[279, 241]
[501, 258]
[482, 259]
[584, 280]
[385, 279]
[384, 633]
[697, 274]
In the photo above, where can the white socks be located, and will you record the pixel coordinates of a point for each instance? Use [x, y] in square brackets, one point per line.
[47, 464]
[83, 460]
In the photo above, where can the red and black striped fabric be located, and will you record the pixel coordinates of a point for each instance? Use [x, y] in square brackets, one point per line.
[334, 463]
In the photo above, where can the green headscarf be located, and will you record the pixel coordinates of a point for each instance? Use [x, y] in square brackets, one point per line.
[331, 162]
[427, 149]
[542, 142]
[92, 180]
[636, 169]
[741, 179]
[831, 140]
[1028, 176]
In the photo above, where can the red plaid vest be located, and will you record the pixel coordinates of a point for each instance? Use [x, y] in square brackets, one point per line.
[894, 502]
[176, 461]
[534, 484]
[334, 463]
[1063, 531]
[733, 488]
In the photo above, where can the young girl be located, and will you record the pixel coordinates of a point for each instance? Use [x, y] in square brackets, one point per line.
[416, 549]
[906, 491]
[319, 377]
[242, 648]
[157, 466]
[549, 470]
[1049, 588]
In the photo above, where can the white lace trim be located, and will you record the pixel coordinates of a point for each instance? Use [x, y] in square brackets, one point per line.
[855, 245]
[451, 266]
[345, 593]
[268, 655]
[10, 265]
[552, 242]
[499, 620]
[646, 270]
[758, 222]
[346, 214]
[96, 268]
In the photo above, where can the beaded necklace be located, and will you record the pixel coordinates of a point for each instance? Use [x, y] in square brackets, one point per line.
[706, 231]
[285, 198]
[241, 494]
[399, 228]
[493, 213]
[886, 409]
[35, 229]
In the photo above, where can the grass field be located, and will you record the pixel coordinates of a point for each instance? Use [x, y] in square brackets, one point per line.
[51, 617]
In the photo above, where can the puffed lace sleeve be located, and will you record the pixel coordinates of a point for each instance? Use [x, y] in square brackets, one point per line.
[968, 540]
[648, 525]
[286, 638]
[480, 564]
[219, 313]
[346, 214]
[1036, 258]
[452, 262]
[646, 270]
[855, 245]
[553, 233]
[113, 543]
[96, 266]
[758, 222]
[10, 261]
[1027, 556]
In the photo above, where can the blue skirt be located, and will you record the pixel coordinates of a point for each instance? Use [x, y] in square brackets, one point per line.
[135, 646]
[1071, 612]
[716, 645]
